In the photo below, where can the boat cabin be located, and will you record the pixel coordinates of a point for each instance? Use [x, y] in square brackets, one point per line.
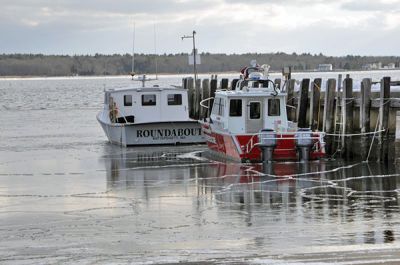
[255, 104]
[146, 105]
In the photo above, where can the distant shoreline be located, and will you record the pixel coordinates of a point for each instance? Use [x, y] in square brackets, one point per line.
[39, 65]
[11, 77]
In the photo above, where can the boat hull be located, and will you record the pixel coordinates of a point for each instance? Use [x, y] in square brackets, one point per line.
[165, 133]
[235, 146]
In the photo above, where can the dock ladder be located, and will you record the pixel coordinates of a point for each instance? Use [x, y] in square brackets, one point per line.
[338, 121]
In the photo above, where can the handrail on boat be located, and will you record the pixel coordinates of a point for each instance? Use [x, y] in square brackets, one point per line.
[204, 100]
[290, 106]
[279, 136]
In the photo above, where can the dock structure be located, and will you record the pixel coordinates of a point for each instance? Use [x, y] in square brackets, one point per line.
[359, 124]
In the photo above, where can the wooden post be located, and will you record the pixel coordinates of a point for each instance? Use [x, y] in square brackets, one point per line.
[329, 112]
[233, 83]
[206, 94]
[224, 83]
[365, 123]
[213, 88]
[190, 88]
[347, 128]
[340, 79]
[365, 105]
[315, 104]
[184, 83]
[290, 101]
[198, 98]
[303, 103]
[384, 109]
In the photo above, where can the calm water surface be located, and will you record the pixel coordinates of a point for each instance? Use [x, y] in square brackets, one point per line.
[67, 196]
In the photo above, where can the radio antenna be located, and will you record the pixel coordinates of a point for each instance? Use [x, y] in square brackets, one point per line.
[155, 50]
[133, 51]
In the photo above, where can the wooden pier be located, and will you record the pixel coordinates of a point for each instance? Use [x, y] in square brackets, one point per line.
[359, 125]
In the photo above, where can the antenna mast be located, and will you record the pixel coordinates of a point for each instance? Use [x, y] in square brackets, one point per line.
[194, 52]
[155, 50]
[133, 51]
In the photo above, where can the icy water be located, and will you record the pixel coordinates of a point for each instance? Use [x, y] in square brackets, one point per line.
[67, 196]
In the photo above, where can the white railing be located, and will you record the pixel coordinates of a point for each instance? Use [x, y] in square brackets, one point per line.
[204, 100]
[280, 136]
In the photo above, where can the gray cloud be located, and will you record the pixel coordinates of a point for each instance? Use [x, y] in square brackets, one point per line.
[107, 6]
[80, 27]
[371, 5]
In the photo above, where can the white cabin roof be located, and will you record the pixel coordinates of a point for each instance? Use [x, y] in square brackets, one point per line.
[251, 93]
[144, 89]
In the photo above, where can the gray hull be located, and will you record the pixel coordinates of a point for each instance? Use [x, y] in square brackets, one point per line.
[153, 133]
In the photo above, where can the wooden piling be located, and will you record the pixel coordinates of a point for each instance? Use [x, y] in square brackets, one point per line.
[224, 83]
[213, 88]
[315, 104]
[184, 83]
[190, 88]
[347, 108]
[204, 113]
[384, 118]
[339, 82]
[197, 99]
[365, 120]
[233, 83]
[329, 112]
[303, 104]
[365, 105]
[290, 101]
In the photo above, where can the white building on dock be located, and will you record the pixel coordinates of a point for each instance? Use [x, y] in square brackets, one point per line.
[325, 67]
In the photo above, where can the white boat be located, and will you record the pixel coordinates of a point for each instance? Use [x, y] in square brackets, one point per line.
[250, 124]
[148, 116]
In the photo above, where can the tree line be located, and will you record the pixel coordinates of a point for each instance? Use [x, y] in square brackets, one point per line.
[121, 64]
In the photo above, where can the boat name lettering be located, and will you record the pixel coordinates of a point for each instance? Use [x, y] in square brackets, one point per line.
[156, 133]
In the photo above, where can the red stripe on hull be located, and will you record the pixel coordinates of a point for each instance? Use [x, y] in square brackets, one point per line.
[224, 144]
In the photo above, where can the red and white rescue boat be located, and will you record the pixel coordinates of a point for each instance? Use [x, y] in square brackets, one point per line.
[249, 123]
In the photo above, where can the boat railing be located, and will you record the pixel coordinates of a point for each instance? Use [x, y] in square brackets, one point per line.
[205, 100]
[252, 143]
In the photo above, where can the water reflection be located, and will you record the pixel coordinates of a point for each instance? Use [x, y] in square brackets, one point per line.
[321, 202]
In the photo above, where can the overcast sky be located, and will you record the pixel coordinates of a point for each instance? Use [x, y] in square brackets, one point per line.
[332, 27]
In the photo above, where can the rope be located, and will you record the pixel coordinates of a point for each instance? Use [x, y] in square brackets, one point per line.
[387, 100]
[373, 139]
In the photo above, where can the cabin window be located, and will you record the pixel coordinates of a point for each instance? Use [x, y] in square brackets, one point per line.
[235, 108]
[274, 107]
[127, 100]
[264, 83]
[174, 99]
[255, 110]
[148, 100]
